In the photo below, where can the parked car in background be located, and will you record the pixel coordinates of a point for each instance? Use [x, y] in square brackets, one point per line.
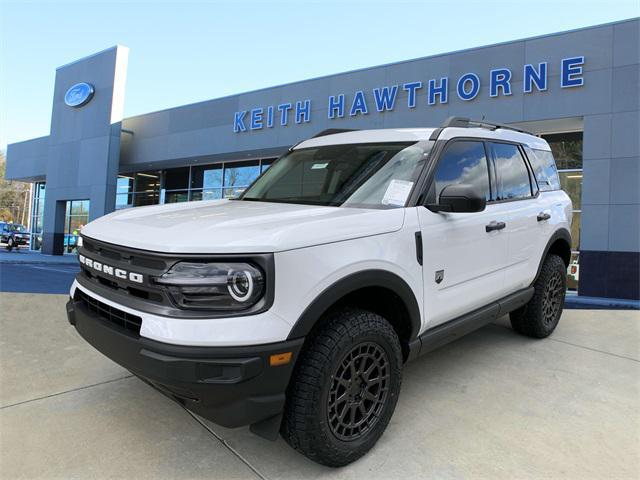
[13, 235]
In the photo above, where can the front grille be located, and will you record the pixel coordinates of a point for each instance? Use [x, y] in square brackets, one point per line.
[115, 316]
[143, 263]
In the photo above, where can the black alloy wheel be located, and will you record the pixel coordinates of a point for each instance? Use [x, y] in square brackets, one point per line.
[553, 298]
[540, 316]
[358, 391]
[344, 388]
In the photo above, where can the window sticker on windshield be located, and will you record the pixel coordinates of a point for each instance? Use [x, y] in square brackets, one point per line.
[397, 193]
[319, 166]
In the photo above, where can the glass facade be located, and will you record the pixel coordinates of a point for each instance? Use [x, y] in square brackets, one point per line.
[138, 189]
[37, 215]
[567, 151]
[184, 184]
[76, 217]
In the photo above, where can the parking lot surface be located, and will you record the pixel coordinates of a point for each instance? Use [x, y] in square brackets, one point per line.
[37, 277]
[492, 405]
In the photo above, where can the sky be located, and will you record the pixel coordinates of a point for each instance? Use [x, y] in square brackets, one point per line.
[184, 52]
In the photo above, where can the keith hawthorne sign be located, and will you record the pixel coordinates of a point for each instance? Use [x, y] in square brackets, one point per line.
[435, 92]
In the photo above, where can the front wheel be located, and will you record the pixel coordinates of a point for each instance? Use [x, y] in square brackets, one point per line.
[541, 315]
[345, 388]
[10, 244]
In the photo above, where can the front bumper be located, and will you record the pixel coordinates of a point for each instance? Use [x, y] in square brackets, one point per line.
[231, 386]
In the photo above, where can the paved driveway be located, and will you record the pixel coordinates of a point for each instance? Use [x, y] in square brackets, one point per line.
[37, 277]
[492, 405]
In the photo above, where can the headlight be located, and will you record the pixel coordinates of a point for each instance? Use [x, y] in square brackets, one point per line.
[214, 286]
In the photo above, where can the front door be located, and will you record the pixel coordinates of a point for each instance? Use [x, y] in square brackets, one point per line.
[464, 261]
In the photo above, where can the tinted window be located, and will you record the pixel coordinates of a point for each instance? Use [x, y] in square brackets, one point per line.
[463, 162]
[544, 169]
[512, 173]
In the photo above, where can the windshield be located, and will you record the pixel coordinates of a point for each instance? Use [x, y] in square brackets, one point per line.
[356, 175]
[14, 227]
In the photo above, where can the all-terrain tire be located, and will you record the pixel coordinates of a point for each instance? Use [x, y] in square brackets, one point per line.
[344, 389]
[540, 316]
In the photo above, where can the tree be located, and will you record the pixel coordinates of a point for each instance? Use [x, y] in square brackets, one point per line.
[14, 197]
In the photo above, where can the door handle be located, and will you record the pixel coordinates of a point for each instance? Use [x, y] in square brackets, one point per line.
[542, 216]
[495, 226]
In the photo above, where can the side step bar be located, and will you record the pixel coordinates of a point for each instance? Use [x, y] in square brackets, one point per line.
[458, 327]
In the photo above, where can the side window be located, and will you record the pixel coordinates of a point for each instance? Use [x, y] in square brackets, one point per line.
[511, 171]
[544, 168]
[463, 162]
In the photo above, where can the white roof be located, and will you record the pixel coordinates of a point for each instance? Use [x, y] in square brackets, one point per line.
[418, 134]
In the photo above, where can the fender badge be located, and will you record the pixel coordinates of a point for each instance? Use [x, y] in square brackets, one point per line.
[439, 276]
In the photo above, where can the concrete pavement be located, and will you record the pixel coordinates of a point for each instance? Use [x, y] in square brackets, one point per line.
[492, 405]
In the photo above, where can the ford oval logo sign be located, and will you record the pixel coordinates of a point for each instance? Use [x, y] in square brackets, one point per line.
[78, 95]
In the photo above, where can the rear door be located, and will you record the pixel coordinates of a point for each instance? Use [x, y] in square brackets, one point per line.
[463, 261]
[518, 190]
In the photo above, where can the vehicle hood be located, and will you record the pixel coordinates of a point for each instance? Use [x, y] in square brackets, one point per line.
[231, 226]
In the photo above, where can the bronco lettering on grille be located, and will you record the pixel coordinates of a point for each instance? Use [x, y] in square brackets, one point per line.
[109, 270]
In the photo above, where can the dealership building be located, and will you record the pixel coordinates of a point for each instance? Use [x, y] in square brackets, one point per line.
[579, 90]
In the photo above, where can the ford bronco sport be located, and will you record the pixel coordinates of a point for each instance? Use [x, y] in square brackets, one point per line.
[294, 307]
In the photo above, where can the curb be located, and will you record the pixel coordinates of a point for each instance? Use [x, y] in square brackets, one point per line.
[576, 302]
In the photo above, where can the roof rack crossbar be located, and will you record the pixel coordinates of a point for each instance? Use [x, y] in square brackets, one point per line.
[463, 122]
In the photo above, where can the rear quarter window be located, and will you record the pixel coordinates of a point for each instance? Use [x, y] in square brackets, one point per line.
[544, 169]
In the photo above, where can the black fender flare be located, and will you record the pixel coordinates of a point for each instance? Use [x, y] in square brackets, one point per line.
[560, 234]
[351, 283]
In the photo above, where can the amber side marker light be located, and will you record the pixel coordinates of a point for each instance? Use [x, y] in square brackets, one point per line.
[280, 359]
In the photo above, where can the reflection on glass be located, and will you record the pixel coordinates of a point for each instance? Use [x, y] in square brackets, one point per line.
[513, 176]
[37, 215]
[233, 192]
[566, 148]
[571, 183]
[241, 174]
[575, 231]
[206, 176]
[77, 216]
[544, 169]
[266, 164]
[124, 184]
[463, 162]
[124, 200]
[207, 182]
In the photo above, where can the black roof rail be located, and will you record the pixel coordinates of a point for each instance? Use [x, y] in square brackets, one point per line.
[463, 122]
[331, 131]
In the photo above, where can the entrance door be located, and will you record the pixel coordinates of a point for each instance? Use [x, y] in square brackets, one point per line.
[463, 264]
[77, 216]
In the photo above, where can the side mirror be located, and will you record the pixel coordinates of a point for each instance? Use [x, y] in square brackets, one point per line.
[460, 198]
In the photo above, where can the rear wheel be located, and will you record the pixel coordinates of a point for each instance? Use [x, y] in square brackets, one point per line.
[540, 316]
[345, 388]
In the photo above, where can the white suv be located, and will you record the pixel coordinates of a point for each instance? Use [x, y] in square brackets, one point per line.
[293, 308]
